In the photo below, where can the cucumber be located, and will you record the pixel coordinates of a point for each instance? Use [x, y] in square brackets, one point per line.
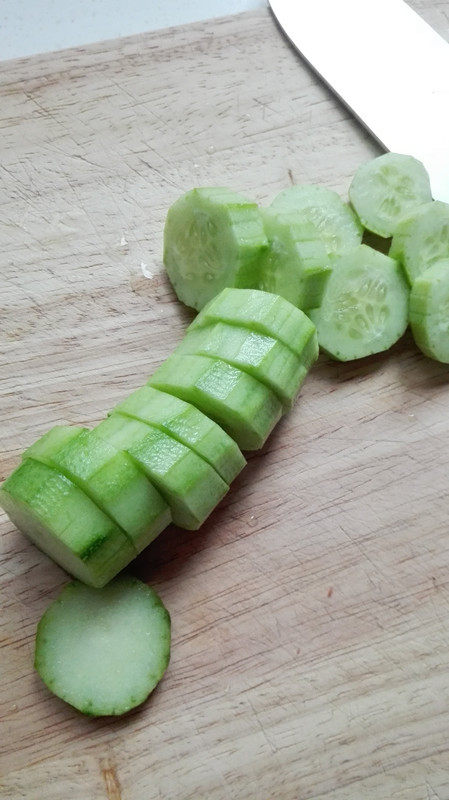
[109, 477]
[212, 238]
[263, 357]
[422, 238]
[333, 221]
[386, 188]
[263, 313]
[63, 522]
[365, 305]
[245, 408]
[189, 426]
[296, 265]
[190, 486]
[429, 311]
[103, 651]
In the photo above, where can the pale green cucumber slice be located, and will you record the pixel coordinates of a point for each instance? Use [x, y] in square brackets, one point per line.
[429, 311]
[263, 357]
[212, 238]
[189, 426]
[386, 188]
[103, 651]
[422, 238]
[190, 486]
[263, 313]
[110, 478]
[245, 408]
[63, 522]
[296, 265]
[333, 221]
[365, 305]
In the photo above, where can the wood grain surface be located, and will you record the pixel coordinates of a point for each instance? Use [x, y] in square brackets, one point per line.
[310, 614]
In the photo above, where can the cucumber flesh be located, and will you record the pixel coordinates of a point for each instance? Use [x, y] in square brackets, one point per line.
[429, 311]
[103, 651]
[296, 265]
[263, 313]
[63, 522]
[422, 238]
[263, 357]
[365, 305]
[333, 221]
[190, 486]
[110, 478]
[386, 188]
[212, 238]
[184, 422]
[245, 408]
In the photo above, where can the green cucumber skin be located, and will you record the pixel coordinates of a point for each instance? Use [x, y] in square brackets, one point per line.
[430, 297]
[260, 312]
[246, 409]
[421, 238]
[63, 522]
[67, 649]
[188, 425]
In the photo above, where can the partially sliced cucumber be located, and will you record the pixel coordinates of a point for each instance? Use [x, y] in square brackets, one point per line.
[365, 305]
[296, 265]
[264, 313]
[422, 238]
[263, 357]
[212, 238]
[429, 311]
[386, 188]
[333, 221]
[190, 486]
[109, 477]
[245, 408]
[103, 651]
[63, 522]
[189, 426]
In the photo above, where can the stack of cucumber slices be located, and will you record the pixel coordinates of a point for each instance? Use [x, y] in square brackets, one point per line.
[307, 247]
[94, 499]
[271, 285]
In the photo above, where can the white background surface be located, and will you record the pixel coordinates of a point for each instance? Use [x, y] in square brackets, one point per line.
[36, 26]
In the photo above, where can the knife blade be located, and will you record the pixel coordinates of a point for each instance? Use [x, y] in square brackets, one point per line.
[387, 65]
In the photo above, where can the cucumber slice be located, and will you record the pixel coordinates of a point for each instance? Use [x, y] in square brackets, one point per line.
[263, 357]
[63, 522]
[429, 311]
[187, 425]
[422, 238]
[245, 408]
[103, 651]
[365, 305]
[296, 266]
[190, 486]
[212, 238]
[386, 188]
[109, 477]
[333, 221]
[263, 313]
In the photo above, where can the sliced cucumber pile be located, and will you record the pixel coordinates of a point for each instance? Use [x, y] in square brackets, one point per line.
[429, 311]
[104, 650]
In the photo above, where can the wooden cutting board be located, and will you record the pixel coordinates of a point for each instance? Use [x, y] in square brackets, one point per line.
[310, 614]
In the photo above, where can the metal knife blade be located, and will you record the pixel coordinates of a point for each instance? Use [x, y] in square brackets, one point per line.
[387, 64]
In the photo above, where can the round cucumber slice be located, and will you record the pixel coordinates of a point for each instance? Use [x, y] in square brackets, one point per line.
[264, 313]
[103, 651]
[333, 221]
[422, 238]
[296, 265]
[365, 305]
[212, 238]
[429, 311]
[386, 188]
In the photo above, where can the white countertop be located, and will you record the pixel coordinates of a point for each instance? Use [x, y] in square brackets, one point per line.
[37, 26]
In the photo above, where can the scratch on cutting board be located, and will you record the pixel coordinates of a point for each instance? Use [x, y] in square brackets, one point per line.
[111, 781]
